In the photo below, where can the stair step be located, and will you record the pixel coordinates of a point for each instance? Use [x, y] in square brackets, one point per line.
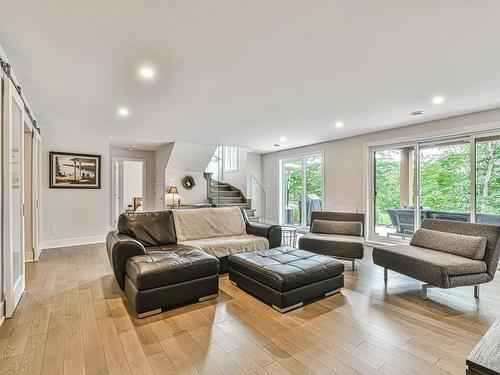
[225, 193]
[212, 190]
[254, 219]
[225, 204]
[250, 212]
[230, 199]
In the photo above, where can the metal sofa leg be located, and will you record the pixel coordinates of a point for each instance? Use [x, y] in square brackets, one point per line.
[353, 263]
[206, 298]
[148, 313]
[385, 276]
[424, 290]
[476, 291]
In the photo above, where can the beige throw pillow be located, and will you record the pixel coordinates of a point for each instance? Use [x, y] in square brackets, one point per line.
[349, 228]
[472, 247]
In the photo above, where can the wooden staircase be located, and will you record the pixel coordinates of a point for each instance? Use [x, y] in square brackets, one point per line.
[221, 194]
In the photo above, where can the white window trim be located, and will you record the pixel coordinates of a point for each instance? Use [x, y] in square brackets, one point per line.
[472, 132]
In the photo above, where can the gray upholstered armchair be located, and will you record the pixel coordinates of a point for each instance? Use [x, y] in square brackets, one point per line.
[339, 234]
[445, 254]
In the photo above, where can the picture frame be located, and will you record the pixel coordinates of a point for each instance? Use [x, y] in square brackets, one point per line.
[69, 170]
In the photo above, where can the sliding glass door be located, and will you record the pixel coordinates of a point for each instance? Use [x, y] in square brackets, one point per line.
[445, 180]
[301, 181]
[394, 170]
[487, 159]
[448, 179]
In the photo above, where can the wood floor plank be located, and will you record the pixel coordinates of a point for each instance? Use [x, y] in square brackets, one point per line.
[33, 355]
[136, 358]
[74, 319]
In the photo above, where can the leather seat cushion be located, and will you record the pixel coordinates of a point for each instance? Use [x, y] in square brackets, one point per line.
[286, 268]
[225, 246]
[161, 268]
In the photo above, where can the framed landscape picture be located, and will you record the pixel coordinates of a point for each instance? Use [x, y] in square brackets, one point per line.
[74, 171]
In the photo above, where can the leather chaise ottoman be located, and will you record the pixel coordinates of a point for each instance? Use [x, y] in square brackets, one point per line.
[161, 279]
[286, 277]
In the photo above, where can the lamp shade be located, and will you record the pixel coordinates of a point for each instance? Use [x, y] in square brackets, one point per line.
[172, 190]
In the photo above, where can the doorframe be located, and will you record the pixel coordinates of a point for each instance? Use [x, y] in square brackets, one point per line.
[120, 183]
[13, 290]
[37, 194]
[281, 191]
[36, 186]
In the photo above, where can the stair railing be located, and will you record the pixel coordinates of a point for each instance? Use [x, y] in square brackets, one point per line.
[212, 198]
[257, 197]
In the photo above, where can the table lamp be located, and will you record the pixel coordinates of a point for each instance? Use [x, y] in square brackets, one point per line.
[173, 190]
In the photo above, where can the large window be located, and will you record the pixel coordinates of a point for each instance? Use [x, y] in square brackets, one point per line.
[230, 159]
[488, 180]
[395, 192]
[445, 180]
[441, 179]
[301, 181]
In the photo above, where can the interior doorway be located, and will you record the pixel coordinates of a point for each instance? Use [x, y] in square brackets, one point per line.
[128, 186]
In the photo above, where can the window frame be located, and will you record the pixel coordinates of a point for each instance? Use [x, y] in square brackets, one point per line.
[228, 153]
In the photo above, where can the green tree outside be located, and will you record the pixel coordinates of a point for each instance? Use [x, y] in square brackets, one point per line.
[445, 179]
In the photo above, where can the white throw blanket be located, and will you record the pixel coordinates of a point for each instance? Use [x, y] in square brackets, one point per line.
[217, 231]
[208, 222]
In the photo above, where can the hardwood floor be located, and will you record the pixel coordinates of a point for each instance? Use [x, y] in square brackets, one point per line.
[73, 319]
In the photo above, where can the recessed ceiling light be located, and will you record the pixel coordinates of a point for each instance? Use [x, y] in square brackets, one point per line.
[123, 111]
[282, 139]
[276, 145]
[339, 124]
[437, 99]
[417, 113]
[147, 72]
[131, 149]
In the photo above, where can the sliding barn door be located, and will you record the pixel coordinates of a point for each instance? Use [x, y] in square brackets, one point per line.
[13, 198]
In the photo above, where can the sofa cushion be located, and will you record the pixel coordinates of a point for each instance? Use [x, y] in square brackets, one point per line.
[162, 268]
[208, 223]
[348, 228]
[434, 267]
[149, 228]
[225, 246]
[333, 244]
[472, 247]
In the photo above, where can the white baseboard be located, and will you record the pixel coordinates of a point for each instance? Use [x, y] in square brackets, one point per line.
[65, 242]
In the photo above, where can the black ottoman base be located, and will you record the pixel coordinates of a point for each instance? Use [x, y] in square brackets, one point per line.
[152, 301]
[291, 299]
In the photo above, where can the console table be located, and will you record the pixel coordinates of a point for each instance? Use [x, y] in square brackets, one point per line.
[485, 358]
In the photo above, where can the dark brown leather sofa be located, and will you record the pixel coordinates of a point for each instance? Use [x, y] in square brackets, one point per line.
[156, 272]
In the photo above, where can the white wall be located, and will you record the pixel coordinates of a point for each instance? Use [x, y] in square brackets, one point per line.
[254, 167]
[188, 159]
[133, 185]
[343, 163]
[77, 215]
[162, 155]
[198, 194]
[149, 156]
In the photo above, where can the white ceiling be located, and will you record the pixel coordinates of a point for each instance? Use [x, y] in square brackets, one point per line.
[246, 73]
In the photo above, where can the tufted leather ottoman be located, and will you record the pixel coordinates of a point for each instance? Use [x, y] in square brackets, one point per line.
[163, 278]
[286, 277]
